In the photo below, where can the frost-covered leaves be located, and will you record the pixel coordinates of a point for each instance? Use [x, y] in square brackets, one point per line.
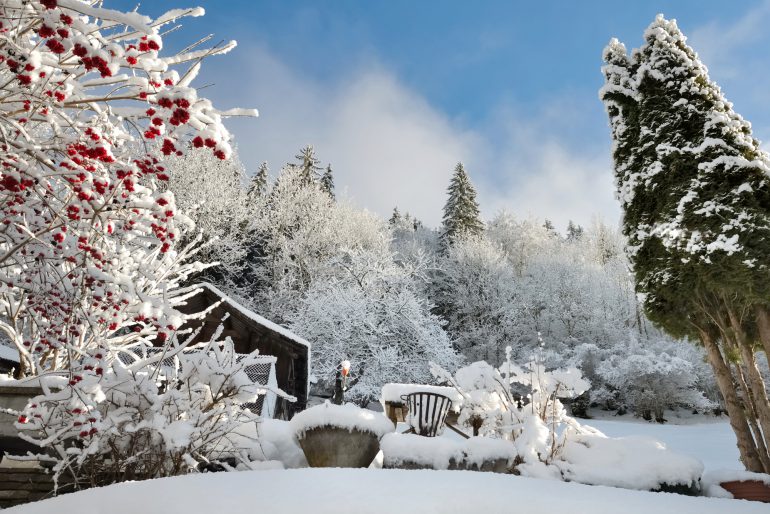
[692, 180]
[87, 244]
[142, 417]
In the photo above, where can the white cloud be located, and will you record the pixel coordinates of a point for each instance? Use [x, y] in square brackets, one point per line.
[388, 146]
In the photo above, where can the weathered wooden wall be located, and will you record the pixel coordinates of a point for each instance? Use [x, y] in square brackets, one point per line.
[249, 335]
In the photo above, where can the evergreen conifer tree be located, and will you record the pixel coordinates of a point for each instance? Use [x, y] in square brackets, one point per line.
[574, 231]
[327, 181]
[461, 211]
[395, 218]
[258, 185]
[693, 185]
[308, 165]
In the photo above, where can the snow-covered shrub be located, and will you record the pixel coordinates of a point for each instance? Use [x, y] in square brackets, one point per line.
[538, 425]
[629, 462]
[651, 381]
[89, 240]
[414, 451]
[117, 421]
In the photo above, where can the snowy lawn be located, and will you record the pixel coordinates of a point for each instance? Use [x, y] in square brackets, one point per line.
[373, 491]
[712, 442]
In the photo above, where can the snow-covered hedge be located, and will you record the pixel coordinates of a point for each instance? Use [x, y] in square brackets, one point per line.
[637, 462]
[442, 452]
[347, 416]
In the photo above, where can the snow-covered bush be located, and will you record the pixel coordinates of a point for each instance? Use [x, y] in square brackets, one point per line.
[88, 244]
[137, 418]
[538, 425]
[652, 381]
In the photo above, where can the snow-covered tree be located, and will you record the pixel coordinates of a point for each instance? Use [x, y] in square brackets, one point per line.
[372, 316]
[308, 164]
[479, 294]
[211, 192]
[327, 181]
[258, 185]
[461, 211]
[693, 185]
[88, 242]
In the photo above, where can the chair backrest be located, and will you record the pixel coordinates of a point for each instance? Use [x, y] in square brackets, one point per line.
[427, 412]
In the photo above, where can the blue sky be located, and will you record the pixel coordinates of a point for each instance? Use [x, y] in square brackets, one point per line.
[393, 93]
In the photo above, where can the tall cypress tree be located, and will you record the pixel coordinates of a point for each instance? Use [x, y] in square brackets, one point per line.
[694, 190]
[461, 211]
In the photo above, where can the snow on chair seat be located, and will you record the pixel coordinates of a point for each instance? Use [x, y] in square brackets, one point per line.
[427, 412]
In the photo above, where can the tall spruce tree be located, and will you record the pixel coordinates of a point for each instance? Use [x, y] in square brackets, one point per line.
[694, 189]
[327, 181]
[258, 185]
[308, 165]
[461, 211]
[395, 218]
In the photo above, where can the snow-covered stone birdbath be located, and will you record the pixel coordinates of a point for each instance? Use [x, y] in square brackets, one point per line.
[340, 436]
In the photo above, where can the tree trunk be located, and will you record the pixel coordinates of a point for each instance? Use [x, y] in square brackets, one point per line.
[763, 325]
[756, 383]
[738, 422]
[752, 417]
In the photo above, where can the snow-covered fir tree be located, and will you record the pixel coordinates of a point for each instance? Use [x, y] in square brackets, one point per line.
[461, 211]
[308, 165]
[258, 185]
[327, 181]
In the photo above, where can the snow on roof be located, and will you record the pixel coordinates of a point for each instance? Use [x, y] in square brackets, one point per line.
[347, 416]
[275, 327]
[8, 353]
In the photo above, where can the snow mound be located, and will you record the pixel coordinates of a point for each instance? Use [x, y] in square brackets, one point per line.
[713, 479]
[441, 452]
[332, 490]
[393, 393]
[347, 416]
[634, 462]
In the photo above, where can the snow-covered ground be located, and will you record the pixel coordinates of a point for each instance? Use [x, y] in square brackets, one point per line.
[373, 491]
[710, 440]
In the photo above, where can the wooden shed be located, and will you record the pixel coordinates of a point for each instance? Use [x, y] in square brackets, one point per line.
[250, 331]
